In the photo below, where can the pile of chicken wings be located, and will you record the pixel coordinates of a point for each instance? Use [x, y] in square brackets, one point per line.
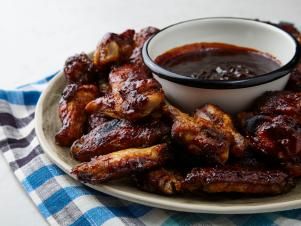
[117, 123]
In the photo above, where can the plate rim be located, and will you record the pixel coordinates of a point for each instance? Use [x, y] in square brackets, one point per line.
[145, 200]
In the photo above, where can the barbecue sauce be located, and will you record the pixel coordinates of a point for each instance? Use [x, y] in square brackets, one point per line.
[217, 61]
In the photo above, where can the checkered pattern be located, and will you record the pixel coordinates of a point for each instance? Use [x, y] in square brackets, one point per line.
[64, 201]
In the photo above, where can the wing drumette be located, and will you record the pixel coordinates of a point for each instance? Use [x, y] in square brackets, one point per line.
[118, 164]
[79, 69]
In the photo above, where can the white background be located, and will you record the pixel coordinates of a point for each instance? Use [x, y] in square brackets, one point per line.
[36, 36]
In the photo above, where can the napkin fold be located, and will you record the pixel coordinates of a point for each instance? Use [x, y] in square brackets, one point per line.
[63, 201]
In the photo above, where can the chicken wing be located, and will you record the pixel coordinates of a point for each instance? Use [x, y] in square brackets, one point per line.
[279, 103]
[199, 137]
[72, 113]
[274, 128]
[121, 163]
[225, 180]
[162, 181]
[224, 123]
[79, 69]
[117, 135]
[114, 49]
[278, 137]
[134, 94]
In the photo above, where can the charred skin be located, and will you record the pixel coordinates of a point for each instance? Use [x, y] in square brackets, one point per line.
[121, 163]
[161, 181]
[225, 180]
[79, 69]
[134, 94]
[278, 137]
[279, 103]
[224, 123]
[274, 128]
[72, 112]
[117, 135]
[199, 137]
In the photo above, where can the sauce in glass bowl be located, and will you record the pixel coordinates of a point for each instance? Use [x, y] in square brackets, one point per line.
[217, 61]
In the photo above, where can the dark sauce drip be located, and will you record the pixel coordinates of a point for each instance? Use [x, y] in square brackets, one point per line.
[217, 61]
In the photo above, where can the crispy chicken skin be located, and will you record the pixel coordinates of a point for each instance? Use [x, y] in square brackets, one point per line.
[199, 137]
[79, 69]
[117, 135]
[224, 123]
[162, 181]
[134, 94]
[121, 163]
[114, 49]
[72, 113]
[225, 180]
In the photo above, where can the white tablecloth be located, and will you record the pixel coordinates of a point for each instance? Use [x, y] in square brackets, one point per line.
[37, 35]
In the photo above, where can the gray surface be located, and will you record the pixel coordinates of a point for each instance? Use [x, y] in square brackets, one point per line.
[37, 36]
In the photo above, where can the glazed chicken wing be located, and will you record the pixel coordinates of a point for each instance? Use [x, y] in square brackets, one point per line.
[117, 135]
[114, 49]
[162, 181]
[225, 180]
[80, 69]
[224, 123]
[278, 137]
[274, 128]
[279, 103]
[72, 112]
[121, 163]
[134, 94]
[199, 137]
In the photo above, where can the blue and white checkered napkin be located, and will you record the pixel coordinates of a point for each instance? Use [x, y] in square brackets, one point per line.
[64, 201]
